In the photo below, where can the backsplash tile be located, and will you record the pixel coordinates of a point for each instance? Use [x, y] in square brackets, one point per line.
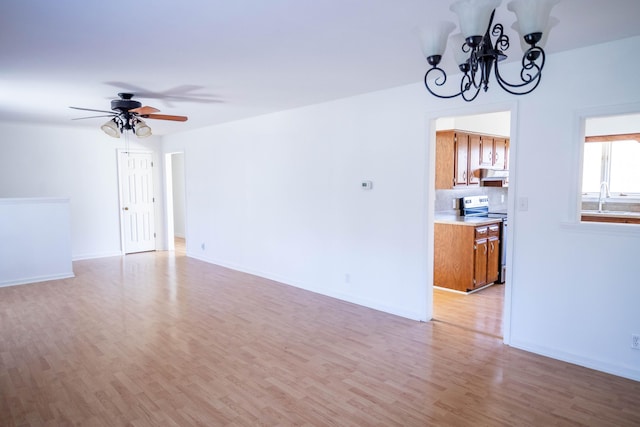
[444, 198]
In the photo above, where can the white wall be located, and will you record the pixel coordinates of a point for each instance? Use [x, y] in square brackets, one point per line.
[70, 162]
[35, 240]
[279, 195]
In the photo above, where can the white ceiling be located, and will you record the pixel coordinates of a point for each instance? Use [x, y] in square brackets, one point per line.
[223, 60]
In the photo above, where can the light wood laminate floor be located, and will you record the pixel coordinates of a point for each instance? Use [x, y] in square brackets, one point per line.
[480, 311]
[159, 339]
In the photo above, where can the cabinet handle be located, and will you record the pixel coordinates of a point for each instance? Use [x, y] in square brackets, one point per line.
[464, 176]
[492, 247]
[485, 248]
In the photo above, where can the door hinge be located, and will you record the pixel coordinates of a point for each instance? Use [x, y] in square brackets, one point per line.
[152, 164]
[153, 200]
[154, 235]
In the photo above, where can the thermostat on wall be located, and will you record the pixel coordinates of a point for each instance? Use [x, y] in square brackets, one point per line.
[367, 185]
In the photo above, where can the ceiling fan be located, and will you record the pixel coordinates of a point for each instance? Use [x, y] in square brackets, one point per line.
[127, 114]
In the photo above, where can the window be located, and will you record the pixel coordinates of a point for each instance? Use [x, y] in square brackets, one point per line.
[611, 157]
[615, 163]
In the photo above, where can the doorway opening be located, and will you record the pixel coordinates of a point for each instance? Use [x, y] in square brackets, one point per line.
[175, 202]
[472, 160]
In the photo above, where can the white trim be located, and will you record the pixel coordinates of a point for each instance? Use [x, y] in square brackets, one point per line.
[608, 228]
[625, 371]
[96, 255]
[27, 200]
[577, 147]
[36, 279]
[428, 215]
[168, 201]
[372, 304]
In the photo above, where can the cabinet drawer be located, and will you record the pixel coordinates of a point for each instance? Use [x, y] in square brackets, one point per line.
[482, 232]
[494, 230]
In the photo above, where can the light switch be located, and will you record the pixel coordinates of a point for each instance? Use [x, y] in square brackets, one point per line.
[367, 185]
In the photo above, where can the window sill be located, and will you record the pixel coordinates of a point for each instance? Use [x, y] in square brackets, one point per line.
[613, 217]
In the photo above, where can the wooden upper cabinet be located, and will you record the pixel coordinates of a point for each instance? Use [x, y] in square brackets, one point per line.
[486, 152]
[474, 160]
[501, 153]
[461, 160]
[494, 152]
[445, 156]
[460, 155]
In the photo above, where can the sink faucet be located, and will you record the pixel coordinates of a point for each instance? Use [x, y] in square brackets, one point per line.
[603, 194]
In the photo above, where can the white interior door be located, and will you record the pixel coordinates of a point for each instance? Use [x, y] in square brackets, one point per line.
[137, 201]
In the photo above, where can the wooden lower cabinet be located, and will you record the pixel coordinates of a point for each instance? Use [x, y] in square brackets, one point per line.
[466, 257]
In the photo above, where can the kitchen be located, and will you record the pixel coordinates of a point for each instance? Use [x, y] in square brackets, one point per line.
[471, 197]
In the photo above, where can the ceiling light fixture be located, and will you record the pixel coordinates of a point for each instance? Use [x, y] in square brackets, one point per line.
[111, 128]
[477, 54]
[126, 121]
[141, 129]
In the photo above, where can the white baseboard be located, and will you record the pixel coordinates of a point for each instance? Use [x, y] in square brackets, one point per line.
[375, 305]
[630, 372]
[36, 279]
[95, 255]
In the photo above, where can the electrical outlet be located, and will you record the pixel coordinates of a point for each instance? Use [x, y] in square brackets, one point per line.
[523, 204]
[202, 246]
[347, 278]
[635, 341]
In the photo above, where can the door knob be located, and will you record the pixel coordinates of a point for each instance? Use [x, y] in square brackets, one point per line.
[125, 209]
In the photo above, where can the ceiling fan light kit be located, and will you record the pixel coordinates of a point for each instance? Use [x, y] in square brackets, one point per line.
[126, 115]
[141, 129]
[111, 128]
[477, 55]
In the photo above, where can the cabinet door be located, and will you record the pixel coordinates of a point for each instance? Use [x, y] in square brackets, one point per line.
[493, 259]
[474, 160]
[481, 251]
[500, 153]
[486, 151]
[445, 155]
[461, 162]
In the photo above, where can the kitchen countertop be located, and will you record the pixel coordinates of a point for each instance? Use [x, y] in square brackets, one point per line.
[453, 218]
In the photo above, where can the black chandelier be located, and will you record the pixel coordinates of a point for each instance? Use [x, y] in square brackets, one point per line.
[477, 55]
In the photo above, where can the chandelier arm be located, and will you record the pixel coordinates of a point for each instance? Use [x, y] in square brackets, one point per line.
[502, 40]
[439, 81]
[465, 88]
[528, 78]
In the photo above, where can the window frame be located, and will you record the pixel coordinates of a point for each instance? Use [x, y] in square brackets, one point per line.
[575, 205]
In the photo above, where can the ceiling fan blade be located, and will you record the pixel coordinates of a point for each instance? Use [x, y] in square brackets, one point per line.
[91, 109]
[94, 117]
[165, 117]
[144, 110]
